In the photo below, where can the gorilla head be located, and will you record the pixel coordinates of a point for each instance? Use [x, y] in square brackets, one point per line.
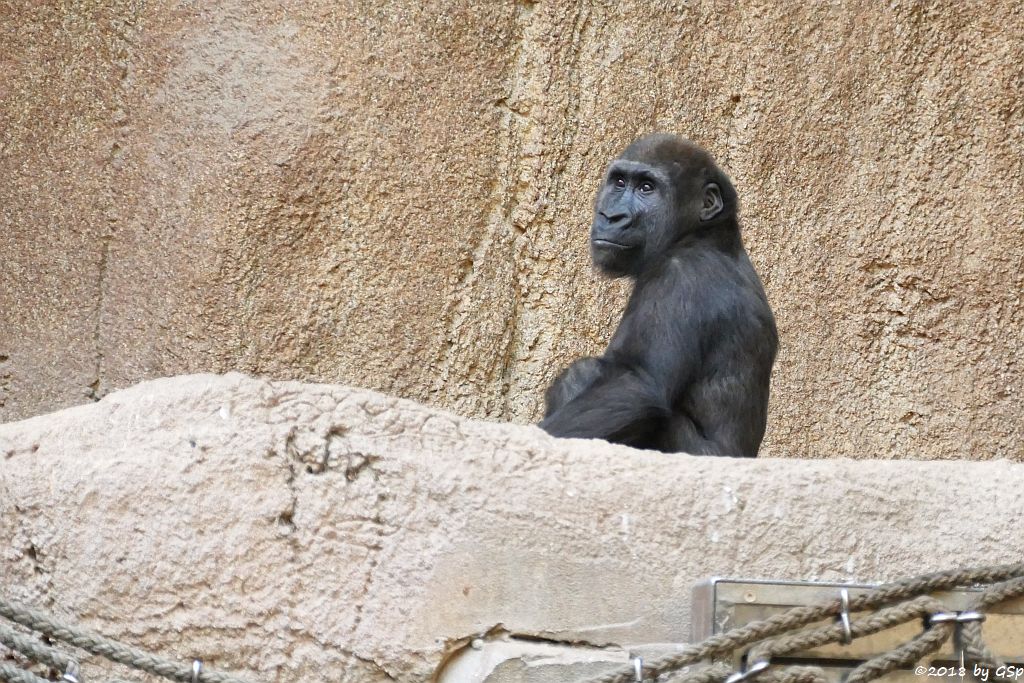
[659, 191]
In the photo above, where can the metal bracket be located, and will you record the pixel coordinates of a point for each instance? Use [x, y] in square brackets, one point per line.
[844, 616]
[71, 675]
[752, 671]
[957, 617]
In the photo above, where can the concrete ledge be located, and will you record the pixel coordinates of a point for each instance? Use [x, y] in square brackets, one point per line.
[300, 532]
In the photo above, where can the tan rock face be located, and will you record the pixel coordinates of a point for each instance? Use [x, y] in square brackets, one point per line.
[283, 530]
[396, 196]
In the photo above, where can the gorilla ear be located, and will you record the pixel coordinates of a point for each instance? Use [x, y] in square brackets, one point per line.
[713, 203]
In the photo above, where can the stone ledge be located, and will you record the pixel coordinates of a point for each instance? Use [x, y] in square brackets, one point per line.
[285, 530]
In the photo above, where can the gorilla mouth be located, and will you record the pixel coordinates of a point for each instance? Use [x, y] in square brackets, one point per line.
[613, 245]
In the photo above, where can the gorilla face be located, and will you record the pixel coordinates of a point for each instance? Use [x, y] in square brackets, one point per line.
[658, 191]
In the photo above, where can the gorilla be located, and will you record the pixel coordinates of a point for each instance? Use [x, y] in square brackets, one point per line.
[689, 366]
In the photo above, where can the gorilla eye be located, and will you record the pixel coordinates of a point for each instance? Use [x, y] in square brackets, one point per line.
[619, 182]
[647, 187]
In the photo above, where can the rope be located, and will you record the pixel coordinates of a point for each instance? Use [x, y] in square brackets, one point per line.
[970, 640]
[719, 671]
[770, 636]
[34, 650]
[12, 674]
[711, 674]
[879, 621]
[906, 654]
[104, 647]
[796, 674]
[798, 617]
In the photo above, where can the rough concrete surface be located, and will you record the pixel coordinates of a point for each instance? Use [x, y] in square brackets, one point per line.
[395, 195]
[301, 532]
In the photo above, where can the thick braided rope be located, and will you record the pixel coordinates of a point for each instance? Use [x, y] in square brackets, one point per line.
[871, 623]
[794, 674]
[110, 649]
[906, 654]
[802, 640]
[12, 674]
[719, 671]
[724, 642]
[971, 642]
[33, 649]
[797, 617]
[938, 581]
[713, 673]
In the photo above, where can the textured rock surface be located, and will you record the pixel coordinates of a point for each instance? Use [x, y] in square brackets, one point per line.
[394, 195]
[288, 530]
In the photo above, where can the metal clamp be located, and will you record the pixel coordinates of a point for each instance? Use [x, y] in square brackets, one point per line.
[71, 674]
[956, 617]
[971, 615]
[638, 669]
[844, 616]
[197, 668]
[752, 671]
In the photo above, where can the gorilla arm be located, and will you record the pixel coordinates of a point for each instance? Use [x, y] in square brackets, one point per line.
[631, 399]
[572, 382]
[624, 406]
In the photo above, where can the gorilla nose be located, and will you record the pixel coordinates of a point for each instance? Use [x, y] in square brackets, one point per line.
[617, 221]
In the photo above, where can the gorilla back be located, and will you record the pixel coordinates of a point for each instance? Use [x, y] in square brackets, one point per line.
[689, 366]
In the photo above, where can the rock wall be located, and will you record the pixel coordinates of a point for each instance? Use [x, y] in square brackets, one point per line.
[395, 195]
[296, 532]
